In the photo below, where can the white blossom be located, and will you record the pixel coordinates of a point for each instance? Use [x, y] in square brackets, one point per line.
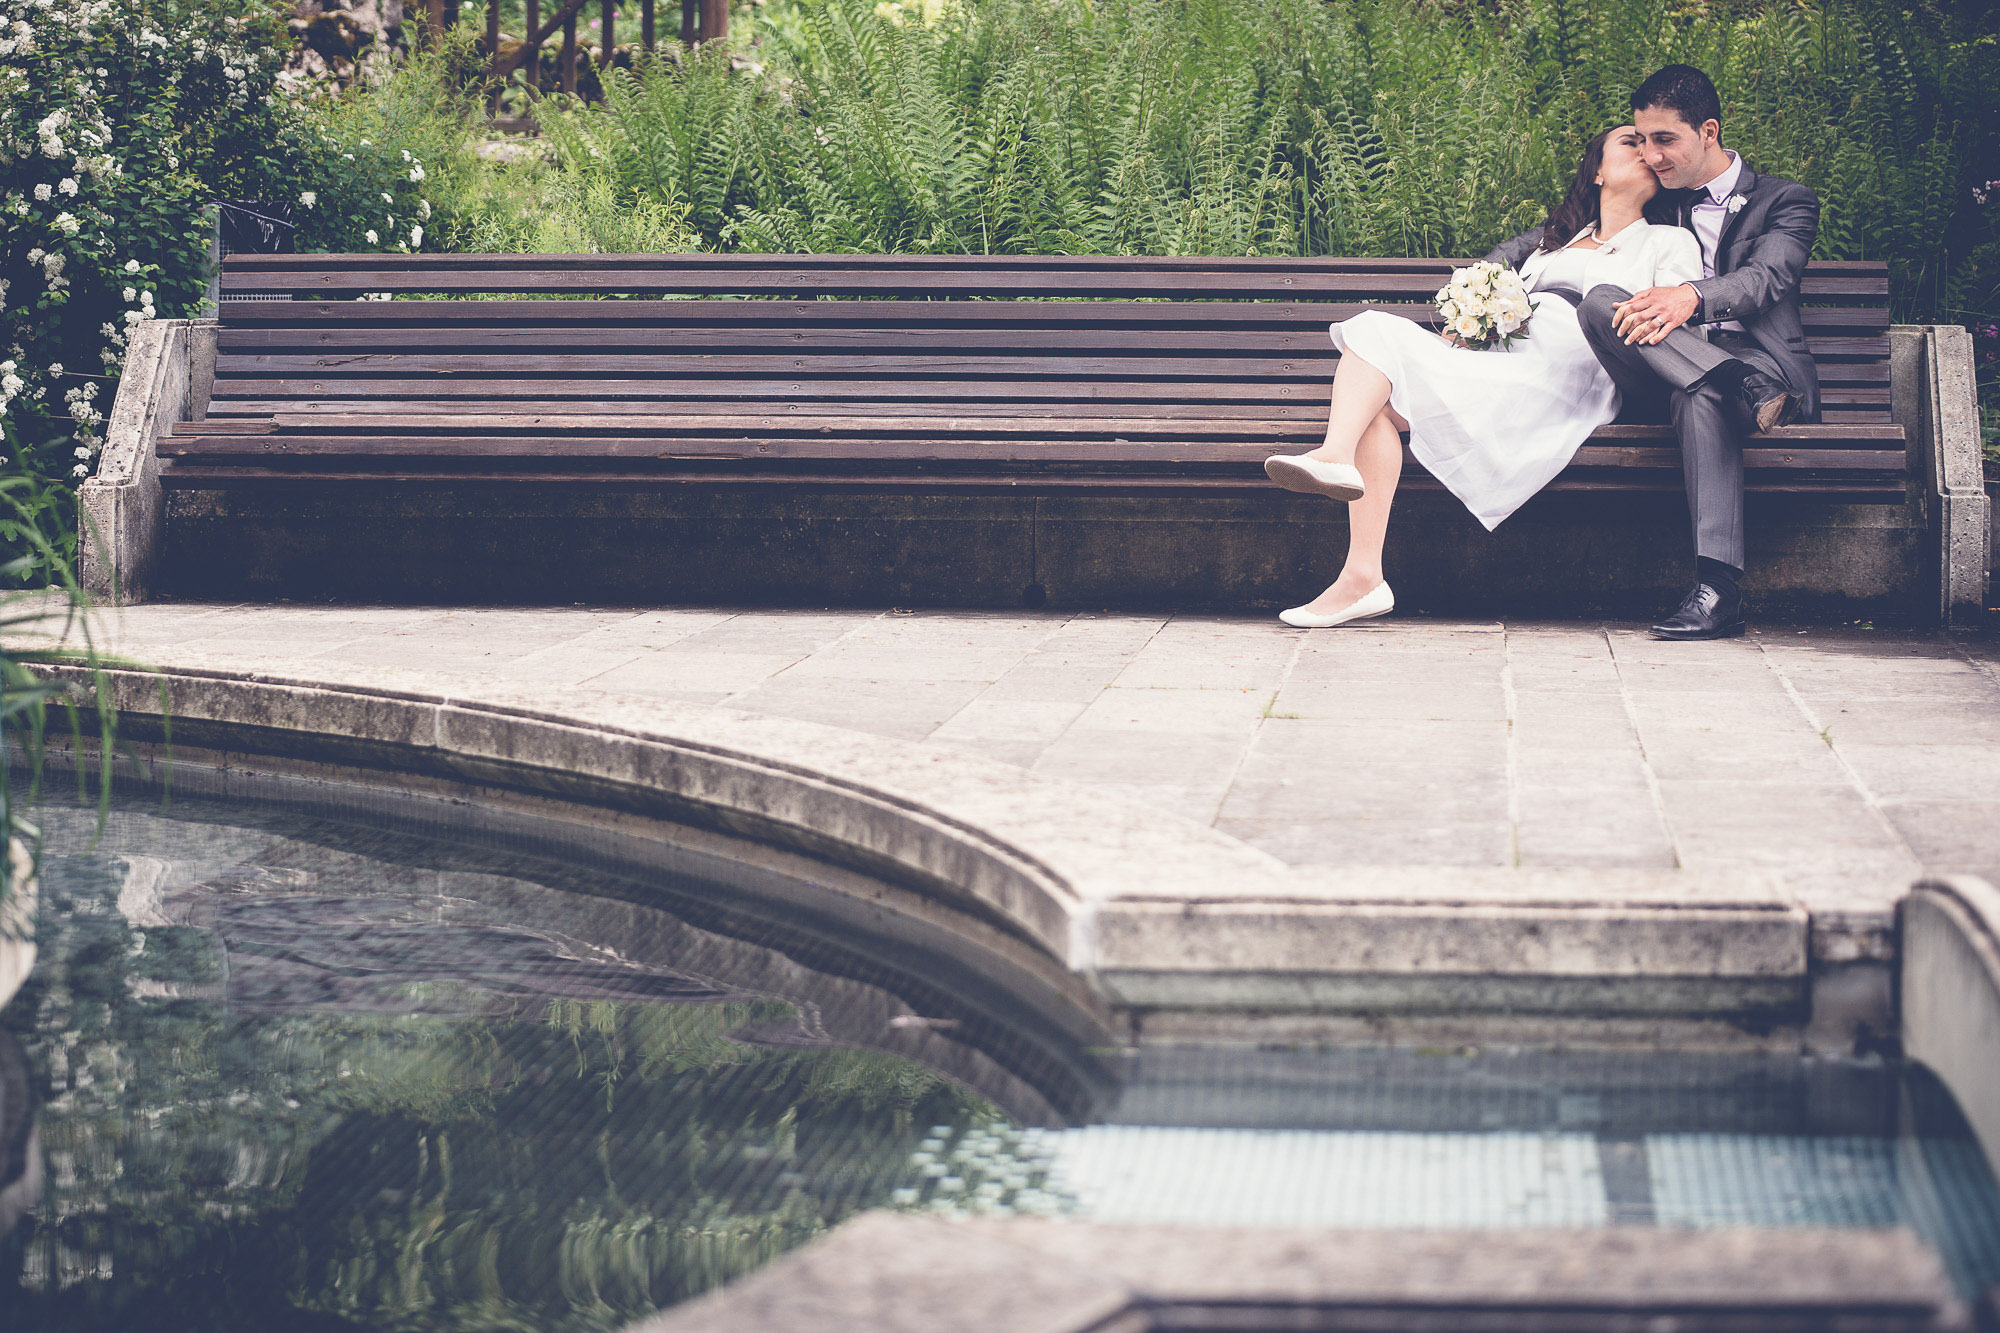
[308, 198]
[372, 238]
[131, 266]
[416, 236]
[42, 192]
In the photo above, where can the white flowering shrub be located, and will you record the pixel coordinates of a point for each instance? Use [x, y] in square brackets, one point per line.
[120, 120]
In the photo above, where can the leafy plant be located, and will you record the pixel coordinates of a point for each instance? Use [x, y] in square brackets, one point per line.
[52, 617]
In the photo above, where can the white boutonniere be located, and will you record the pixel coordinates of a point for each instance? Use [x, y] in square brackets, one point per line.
[1736, 203]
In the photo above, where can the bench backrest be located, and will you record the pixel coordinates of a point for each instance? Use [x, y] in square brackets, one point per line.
[1022, 331]
[966, 371]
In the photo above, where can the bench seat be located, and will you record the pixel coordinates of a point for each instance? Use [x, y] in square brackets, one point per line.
[957, 373]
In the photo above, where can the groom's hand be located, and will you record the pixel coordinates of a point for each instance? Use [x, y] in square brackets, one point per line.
[1654, 313]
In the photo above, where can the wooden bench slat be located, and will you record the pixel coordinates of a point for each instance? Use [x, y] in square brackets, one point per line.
[1213, 284]
[940, 448]
[1024, 314]
[672, 424]
[1303, 389]
[1311, 358]
[521, 398]
[182, 474]
[507, 341]
[786, 259]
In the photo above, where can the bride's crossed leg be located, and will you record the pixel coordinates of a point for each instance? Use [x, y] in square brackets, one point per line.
[1364, 431]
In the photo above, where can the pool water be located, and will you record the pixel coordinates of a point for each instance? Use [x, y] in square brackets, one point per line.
[310, 1067]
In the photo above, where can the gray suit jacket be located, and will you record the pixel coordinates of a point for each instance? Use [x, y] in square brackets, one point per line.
[1762, 255]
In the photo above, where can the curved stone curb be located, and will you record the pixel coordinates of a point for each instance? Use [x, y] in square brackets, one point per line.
[1951, 993]
[1155, 911]
[891, 1273]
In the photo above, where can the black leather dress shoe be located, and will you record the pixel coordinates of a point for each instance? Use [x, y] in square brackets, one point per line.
[1767, 404]
[1704, 613]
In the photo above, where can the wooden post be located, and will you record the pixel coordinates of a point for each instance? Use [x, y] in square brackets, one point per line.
[606, 42]
[714, 20]
[450, 20]
[431, 24]
[492, 50]
[566, 63]
[646, 25]
[690, 17]
[532, 16]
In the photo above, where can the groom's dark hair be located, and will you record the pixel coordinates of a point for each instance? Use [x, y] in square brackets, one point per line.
[1683, 90]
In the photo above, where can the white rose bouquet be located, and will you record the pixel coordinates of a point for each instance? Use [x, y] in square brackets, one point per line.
[1485, 305]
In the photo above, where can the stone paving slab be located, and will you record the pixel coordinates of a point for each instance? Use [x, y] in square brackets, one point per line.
[1852, 760]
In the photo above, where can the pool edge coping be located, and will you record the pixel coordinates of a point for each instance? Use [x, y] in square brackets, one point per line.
[1055, 860]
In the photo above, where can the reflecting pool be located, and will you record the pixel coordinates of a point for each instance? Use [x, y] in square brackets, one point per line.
[299, 1066]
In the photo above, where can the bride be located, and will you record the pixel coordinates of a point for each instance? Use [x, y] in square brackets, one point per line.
[1493, 426]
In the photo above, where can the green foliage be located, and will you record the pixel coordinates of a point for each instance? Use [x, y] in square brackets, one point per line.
[1358, 127]
[48, 623]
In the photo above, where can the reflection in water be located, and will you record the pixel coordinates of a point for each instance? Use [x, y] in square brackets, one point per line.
[301, 1075]
[307, 1072]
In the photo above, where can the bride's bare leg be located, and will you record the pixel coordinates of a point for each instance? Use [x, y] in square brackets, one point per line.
[1379, 456]
[1360, 392]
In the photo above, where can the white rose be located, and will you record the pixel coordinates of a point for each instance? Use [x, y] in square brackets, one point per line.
[130, 296]
[372, 238]
[131, 266]
[1465, 326]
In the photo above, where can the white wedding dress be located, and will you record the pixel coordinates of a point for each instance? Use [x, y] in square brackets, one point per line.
[1497, 426]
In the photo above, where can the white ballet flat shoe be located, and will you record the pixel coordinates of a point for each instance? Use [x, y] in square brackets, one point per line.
[1377, 601]
[1296, 472]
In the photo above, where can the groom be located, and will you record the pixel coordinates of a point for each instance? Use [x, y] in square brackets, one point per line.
[1753, 372]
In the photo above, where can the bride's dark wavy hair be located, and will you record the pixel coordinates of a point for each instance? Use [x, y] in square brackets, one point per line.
[1579, 207]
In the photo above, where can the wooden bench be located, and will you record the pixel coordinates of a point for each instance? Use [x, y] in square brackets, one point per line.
[945, 372]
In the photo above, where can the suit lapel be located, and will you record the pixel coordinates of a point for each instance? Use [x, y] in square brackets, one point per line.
[1745, 183]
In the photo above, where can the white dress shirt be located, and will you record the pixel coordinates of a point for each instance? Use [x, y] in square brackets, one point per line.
[1708, 215]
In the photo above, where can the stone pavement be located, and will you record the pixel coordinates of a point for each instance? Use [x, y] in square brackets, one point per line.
[1850, 759]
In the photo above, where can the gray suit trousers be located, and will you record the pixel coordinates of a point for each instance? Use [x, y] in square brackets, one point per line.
[1678, 378]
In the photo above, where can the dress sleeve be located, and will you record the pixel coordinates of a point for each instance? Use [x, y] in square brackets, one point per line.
[1677, 258]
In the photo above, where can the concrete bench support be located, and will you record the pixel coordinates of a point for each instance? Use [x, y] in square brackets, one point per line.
[1935, 399]
[120, 511]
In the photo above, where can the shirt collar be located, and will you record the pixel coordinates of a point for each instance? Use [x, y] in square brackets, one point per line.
[1724, 185]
